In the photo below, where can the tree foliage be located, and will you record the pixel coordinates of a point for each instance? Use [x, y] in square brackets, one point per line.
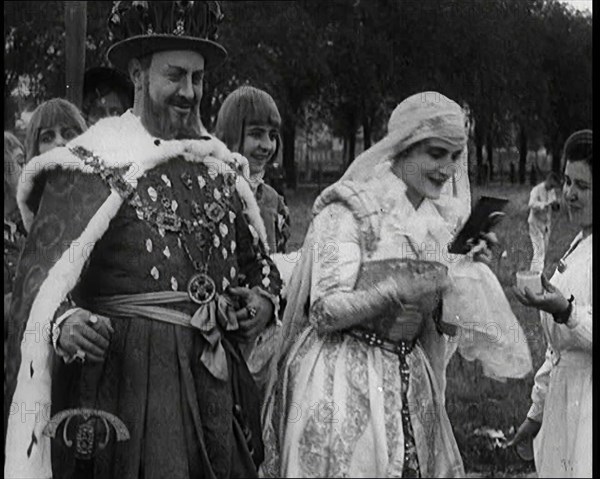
[523, 67]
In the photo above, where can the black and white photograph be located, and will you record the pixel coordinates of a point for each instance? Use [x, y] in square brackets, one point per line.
[298, 238]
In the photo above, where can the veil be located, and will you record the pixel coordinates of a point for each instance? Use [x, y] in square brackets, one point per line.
[419, 117]
[423, 116]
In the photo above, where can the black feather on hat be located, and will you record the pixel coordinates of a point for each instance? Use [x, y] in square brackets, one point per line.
[142, 28]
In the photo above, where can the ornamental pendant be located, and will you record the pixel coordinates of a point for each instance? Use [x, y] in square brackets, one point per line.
[201, 288]
[187, 180]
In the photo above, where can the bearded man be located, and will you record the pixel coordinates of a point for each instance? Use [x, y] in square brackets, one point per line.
[146, 265]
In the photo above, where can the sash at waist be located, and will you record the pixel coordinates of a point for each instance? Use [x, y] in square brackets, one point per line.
[144, 305]
[210, 319]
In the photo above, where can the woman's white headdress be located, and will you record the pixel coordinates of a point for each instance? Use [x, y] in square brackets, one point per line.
[420, 117]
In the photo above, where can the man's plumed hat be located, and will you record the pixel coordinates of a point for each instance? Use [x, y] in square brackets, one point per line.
[141, 28]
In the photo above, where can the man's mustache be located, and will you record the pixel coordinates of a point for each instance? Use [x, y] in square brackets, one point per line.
[183, 103]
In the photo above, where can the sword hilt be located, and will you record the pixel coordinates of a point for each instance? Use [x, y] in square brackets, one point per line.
[91, 428]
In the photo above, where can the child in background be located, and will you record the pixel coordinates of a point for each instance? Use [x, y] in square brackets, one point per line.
[53, 123]
[248, 123]
[541, 202]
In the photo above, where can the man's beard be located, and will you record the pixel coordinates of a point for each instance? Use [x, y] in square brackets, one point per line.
[159, 122]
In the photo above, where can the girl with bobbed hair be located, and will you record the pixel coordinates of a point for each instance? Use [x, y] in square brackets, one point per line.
[53, 123]
[248, 123]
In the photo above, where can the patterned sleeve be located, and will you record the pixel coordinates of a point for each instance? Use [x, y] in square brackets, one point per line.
[282, 228]
[254, 262]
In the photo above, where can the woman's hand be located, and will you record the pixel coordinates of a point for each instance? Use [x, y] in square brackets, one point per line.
[551, 300]
[407, 325]
[482, 250]
[526, 432]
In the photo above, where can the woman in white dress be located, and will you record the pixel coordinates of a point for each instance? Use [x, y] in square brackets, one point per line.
[357, 389]
[560, 417]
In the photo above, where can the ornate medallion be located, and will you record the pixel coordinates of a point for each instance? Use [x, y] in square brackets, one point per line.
[201, 288]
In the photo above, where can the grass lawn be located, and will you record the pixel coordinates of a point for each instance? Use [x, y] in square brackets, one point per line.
[474, 401]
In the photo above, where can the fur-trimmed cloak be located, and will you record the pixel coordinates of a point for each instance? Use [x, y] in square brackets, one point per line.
[53, 262]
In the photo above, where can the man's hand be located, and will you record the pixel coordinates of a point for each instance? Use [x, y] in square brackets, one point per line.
[253, 316]
[87, 333]
[551, 300]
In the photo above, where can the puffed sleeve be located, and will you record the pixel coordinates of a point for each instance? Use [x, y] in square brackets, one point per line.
[337, 249]
[540, 388]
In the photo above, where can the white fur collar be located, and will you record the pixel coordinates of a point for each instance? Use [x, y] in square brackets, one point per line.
[124, 142]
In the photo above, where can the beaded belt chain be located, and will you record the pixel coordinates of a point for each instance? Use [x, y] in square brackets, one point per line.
[402, 349]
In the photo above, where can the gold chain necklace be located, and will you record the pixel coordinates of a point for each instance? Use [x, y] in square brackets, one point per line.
[201, 288]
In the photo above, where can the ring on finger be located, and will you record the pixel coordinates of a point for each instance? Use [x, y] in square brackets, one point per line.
[251, 311]
[93, 319]
[79, 356]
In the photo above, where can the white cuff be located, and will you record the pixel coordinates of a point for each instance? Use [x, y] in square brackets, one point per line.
[573, 320]
[536, 412]
[275, 301]
[67, 358]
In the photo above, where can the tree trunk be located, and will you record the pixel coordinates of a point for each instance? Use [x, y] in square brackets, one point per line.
[557, 157]
[489, 148]
[351, 145]
[289, 141]
[522, 155]
[366, 124]
[75, 34]
[479, 154]
[205, 106]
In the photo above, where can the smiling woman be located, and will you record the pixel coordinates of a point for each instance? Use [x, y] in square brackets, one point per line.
[357, 385]
[426, 167]
[577, 189]
[560, 417]
[248, 123]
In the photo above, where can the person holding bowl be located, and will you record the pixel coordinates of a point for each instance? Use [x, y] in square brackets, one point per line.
[560, 418]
